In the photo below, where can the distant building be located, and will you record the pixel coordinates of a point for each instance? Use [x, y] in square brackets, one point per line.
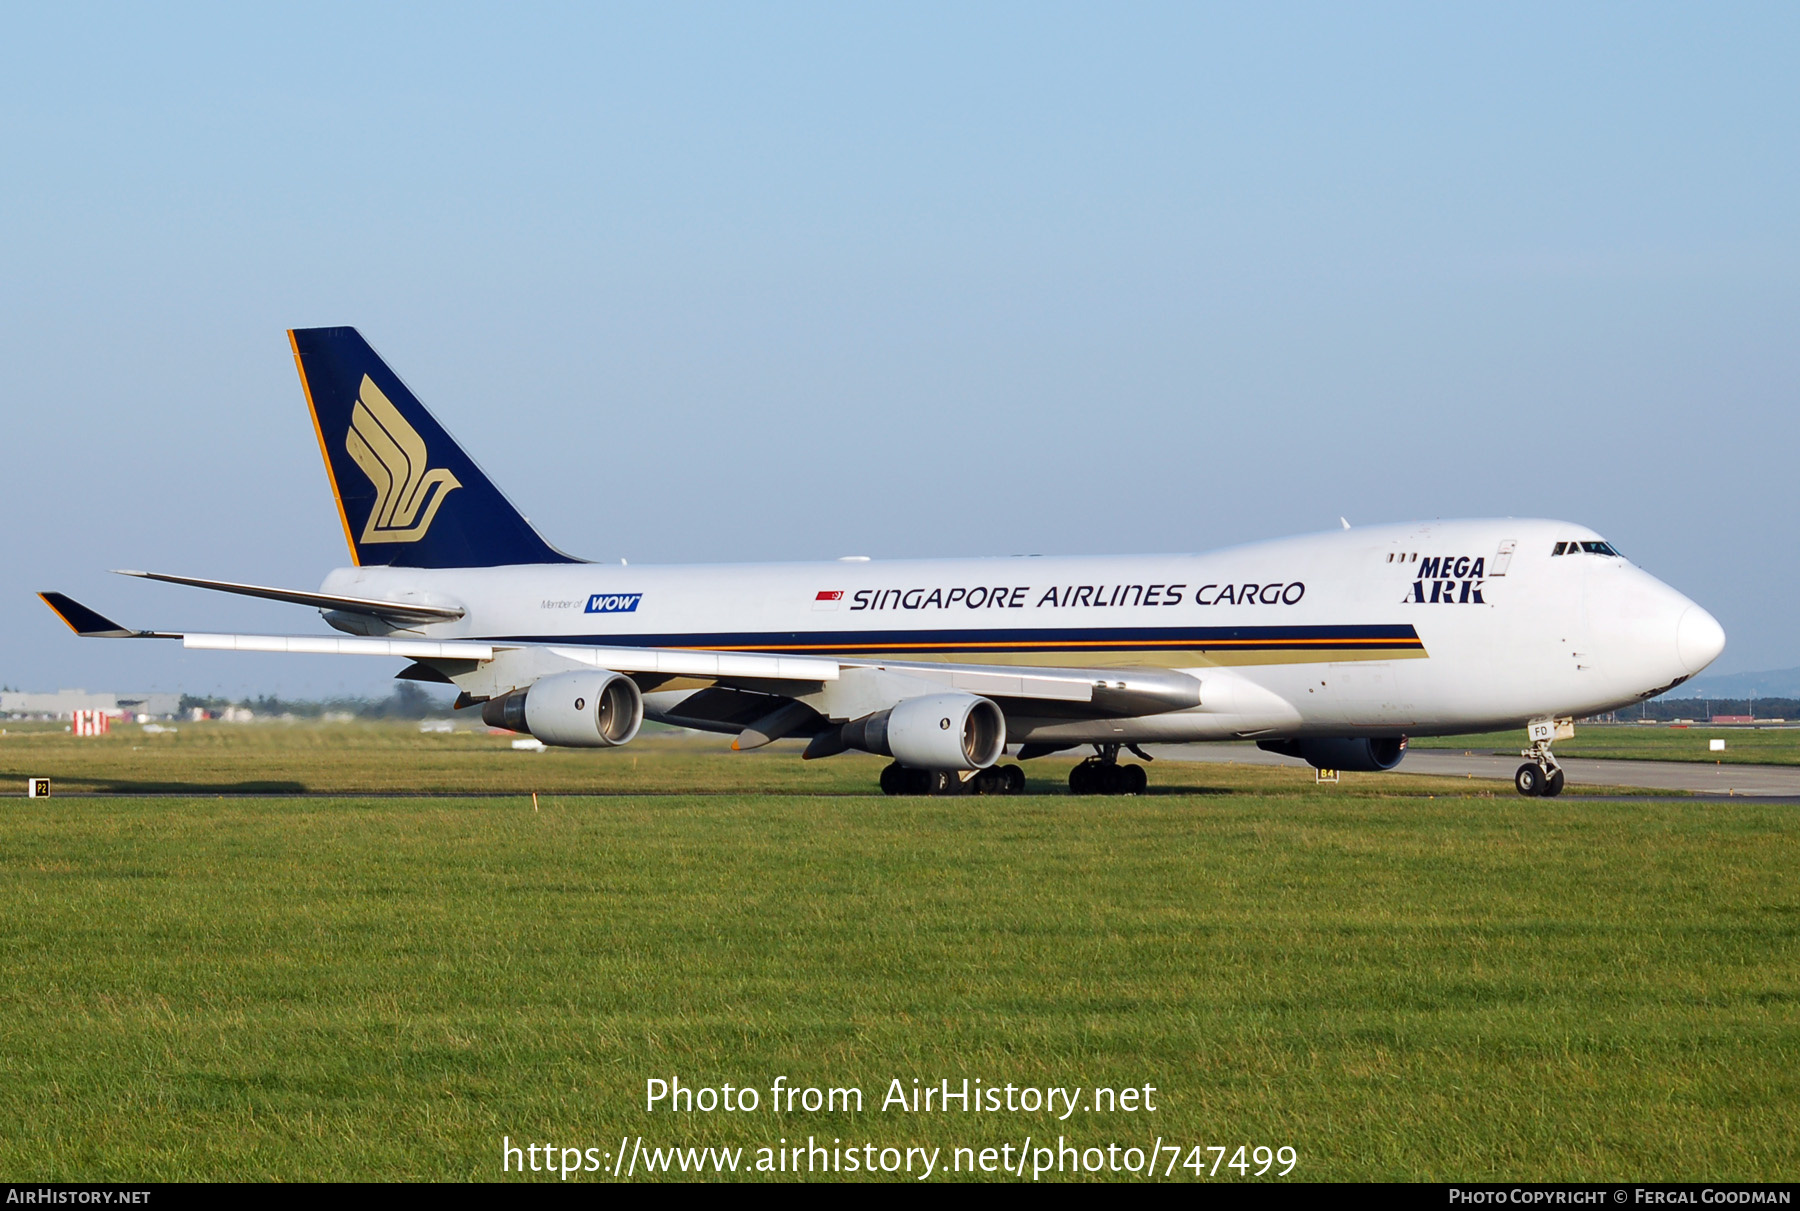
[64, 703]
[1734, 719]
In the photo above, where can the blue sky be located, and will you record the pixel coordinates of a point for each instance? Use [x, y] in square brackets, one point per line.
[735, 282]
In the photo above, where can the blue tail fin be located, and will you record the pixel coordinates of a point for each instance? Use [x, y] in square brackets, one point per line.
[407, 494]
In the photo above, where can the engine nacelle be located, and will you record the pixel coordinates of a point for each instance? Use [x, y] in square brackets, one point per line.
[583, 709]
[1357, 755]
[937, 731]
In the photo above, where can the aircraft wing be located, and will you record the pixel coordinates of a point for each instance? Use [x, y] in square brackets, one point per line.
[673, 662]
[1104, 691]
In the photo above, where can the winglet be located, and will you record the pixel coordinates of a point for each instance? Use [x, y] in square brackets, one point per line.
[91, 624]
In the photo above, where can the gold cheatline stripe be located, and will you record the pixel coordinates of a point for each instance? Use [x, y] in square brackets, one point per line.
[330, 474]
[1040, 645]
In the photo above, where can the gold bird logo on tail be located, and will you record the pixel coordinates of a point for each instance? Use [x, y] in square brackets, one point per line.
[392, 454]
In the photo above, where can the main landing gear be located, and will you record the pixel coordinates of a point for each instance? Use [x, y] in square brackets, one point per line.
[1102, 774]
[1541, 775]
[897, 779]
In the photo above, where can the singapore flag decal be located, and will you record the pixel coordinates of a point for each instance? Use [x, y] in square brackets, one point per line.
[828, 599]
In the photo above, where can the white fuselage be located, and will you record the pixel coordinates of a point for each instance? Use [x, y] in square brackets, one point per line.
[1430, 628]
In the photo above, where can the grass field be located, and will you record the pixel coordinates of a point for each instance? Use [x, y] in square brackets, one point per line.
[1652, 742]
[384, 758]
[1395, 984]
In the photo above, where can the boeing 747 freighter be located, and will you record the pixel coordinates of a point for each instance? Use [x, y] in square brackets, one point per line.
[1331, 648]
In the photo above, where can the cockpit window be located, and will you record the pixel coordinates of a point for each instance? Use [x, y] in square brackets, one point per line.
[1586, 548]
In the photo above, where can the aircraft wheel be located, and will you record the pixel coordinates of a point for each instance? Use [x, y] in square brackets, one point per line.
[1133, 780]
[1111, 779]
[1553, 785]
[1015, 779]
[1529, 779]
[990, 781]
[893, 779]
[1081, 780]
[943, 782]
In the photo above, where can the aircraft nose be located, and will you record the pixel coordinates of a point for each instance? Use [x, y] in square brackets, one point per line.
[1698, 639]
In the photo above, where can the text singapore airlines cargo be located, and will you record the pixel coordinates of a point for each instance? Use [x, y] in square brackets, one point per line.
[1331, 648]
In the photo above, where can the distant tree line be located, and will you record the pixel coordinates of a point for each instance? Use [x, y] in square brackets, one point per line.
[408, 701]
[1666, 709]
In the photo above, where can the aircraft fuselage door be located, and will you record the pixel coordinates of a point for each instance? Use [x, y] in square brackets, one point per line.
[1503, 557]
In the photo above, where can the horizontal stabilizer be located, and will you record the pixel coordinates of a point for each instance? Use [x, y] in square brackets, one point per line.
[91, 624]
[394, 611]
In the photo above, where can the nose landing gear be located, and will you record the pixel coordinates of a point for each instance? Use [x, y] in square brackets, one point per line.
[1102, 774]
[1541, 775]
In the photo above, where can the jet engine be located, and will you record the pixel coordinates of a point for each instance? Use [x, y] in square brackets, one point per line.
[583, 709]
[1357, 755]
[936, 732]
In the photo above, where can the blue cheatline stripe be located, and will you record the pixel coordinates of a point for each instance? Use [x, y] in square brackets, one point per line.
[1195, 639]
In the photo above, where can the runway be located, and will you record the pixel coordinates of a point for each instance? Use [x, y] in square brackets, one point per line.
[1781, 780]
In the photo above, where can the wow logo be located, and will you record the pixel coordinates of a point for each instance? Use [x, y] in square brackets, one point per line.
[614, 603]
